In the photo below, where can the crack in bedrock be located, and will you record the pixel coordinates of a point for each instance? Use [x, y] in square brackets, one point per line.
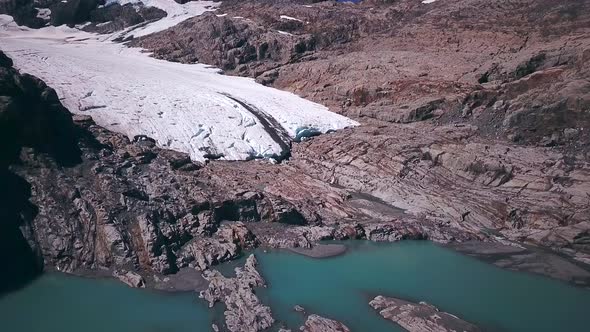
[274, 129]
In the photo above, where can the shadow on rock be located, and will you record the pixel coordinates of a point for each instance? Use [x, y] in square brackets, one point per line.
[32, 116]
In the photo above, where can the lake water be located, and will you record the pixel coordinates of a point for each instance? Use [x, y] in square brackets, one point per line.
[339, 288]
[60, 303]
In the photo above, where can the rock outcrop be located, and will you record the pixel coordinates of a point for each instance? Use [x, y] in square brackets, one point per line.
[419, 317]
[116, 17]
[227, 244]
[130, 278]
[23, 12]
[72, 11]
[244, 311]
[315, 323]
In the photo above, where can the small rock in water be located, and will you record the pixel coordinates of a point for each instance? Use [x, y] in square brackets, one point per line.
[299, 308]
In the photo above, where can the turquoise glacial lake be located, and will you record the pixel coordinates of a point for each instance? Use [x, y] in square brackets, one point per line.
[338, 288]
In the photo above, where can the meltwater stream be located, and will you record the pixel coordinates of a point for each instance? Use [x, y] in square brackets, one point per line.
[338, 288]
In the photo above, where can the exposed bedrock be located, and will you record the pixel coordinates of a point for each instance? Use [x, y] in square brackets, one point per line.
[483, 129]
[419, 317]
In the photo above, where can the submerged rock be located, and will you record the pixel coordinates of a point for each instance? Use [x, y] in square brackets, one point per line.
[298, 308]
[315, 323]
[244, 311]
[419, 317]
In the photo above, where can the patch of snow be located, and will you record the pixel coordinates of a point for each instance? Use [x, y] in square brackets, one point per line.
[103, 24]
[44, 13]
[176, 13]
[428, 1]
[221, 15]
[82, 26]
[285, 17]
[284, 33]
[188, 108]
[238, 17]
[308, 6]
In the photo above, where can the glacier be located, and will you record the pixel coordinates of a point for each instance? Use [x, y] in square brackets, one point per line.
[191, 108]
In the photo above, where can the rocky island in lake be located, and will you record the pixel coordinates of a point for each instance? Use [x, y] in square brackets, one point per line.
[294, 165]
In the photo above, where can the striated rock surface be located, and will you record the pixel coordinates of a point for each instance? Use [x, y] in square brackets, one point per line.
[244, 311]
[315, 323]
[419, 317]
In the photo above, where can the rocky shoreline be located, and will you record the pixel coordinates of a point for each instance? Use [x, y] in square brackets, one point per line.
[527, 259]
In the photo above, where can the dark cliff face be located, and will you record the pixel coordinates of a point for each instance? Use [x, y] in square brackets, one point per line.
[102, 18]
[30, 116]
